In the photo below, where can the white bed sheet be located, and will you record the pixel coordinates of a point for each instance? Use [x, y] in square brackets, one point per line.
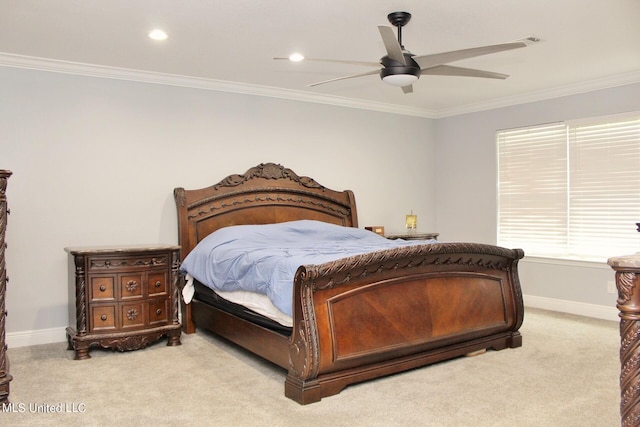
[259, 303]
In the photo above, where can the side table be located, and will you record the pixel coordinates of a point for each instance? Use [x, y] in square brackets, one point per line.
[125, 297]
[413, 236]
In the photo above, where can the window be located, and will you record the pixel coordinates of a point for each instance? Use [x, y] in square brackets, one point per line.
[571, 190]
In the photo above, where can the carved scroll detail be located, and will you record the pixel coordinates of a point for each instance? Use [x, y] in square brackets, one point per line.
[303, 346]
[128, 262]
[255, 199]
[127, 343]
[267, 171]
[624, 283]
[341, 271]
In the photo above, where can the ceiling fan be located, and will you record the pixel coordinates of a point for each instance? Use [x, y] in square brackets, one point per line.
[401, 68]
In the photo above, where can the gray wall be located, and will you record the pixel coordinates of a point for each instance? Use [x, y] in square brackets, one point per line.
[95, 162]
[466, 189]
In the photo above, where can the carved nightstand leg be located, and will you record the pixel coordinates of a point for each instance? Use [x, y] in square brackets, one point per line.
[69, 342]
[75, 343]
[174, 338]
[82, 351]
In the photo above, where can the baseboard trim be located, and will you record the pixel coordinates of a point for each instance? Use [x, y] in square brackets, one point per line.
[572, 307]
[40, 336]
[53, 335]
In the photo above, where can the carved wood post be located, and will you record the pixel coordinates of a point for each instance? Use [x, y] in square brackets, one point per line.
[627, 270]
[5, 377]
[81, 290]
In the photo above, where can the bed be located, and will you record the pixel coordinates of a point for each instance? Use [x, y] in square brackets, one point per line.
[359, 317]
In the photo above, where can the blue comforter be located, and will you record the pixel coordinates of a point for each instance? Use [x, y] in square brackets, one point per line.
[264, 258]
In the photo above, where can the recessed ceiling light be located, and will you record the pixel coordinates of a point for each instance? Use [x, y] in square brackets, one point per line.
[158, 34]
[296, 57]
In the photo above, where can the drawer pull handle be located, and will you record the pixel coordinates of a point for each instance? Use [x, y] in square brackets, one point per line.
[158, 312]
[131, 285]
[103, 288]
[103, 317]
[132, 314]
[158, 284]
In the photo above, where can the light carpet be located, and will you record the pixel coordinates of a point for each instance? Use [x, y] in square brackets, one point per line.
[565, 374]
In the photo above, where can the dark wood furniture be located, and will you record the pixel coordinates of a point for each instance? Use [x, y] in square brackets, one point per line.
[361, 317]
[627, 270]
[5, 377]
[125, 297]
[413, 236]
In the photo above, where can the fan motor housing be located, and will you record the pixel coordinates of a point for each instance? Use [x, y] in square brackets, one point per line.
[392, 68]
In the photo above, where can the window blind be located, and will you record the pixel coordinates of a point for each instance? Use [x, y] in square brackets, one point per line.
[604, 201]
[532, 184]
[570, 190]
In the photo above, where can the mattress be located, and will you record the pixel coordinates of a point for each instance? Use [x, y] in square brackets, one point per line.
[258, 314]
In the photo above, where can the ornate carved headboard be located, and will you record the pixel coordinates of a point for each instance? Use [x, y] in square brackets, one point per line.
[267, 193]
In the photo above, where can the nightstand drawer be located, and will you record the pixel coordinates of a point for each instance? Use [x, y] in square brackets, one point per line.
[132, 315]
[158, 312]
[104, 262]
[103, 318]
[102, 288]
[157, 284]
[130, 286]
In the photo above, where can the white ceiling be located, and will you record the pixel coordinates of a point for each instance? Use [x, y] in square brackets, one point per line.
[585, 45]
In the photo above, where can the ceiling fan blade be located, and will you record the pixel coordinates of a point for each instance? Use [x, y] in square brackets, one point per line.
[407, 89]
[338, 61]
[428, 61]
[449, 70]
[368, 73]
[391, 44]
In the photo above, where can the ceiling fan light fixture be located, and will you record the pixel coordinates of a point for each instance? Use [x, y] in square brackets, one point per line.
[400, 80]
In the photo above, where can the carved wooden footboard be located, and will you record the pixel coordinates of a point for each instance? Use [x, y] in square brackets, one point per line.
[394, 310]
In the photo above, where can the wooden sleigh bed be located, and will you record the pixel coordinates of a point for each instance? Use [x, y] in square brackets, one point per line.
[360, 317]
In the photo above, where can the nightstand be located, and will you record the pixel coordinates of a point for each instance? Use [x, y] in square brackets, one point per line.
[413, 236]
[125, 297]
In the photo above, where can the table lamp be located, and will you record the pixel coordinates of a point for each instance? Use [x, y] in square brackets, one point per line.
[411, 222]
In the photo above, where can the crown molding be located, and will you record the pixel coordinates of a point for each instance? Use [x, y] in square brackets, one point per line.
[67, 67]
[543, 95]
